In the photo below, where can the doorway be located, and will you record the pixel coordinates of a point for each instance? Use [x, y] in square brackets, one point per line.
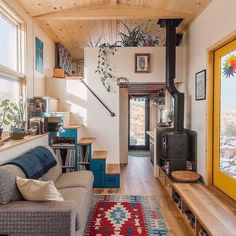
[224, 119]
[138, 122]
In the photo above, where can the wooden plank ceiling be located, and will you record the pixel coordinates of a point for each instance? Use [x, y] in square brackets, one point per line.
[78, 23]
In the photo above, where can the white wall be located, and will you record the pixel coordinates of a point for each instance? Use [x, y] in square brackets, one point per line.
[35, 80]
[12, 153]
[216, 22]
[74, 97]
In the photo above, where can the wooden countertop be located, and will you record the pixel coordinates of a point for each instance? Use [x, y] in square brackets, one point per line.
[150, 133]
[13, 143]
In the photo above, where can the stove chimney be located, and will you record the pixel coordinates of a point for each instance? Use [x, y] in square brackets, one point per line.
[170, 25]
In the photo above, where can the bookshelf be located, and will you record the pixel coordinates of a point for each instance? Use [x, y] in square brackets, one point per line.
[85, 153]
[64, 144]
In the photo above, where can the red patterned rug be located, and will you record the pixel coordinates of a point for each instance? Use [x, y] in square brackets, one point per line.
[116, 215]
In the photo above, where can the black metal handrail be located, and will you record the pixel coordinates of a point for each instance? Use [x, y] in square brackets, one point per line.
[95, 95]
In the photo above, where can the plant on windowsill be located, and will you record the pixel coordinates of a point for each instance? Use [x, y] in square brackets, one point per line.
[103, 67]
[17, 130]
[6, 114]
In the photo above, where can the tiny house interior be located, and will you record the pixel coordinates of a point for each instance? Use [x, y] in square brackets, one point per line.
[117, 117]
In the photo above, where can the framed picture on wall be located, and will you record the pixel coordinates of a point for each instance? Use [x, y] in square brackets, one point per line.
[200, 85]
[142, 63]
[38, 55]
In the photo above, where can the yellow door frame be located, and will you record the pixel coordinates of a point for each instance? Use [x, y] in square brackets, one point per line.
[210, 103]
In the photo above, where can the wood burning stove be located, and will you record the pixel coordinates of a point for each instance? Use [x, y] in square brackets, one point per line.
[174, 145]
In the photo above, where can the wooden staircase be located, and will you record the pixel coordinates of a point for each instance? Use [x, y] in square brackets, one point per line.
[105, 175]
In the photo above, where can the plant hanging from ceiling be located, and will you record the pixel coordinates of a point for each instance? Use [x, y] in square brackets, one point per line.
[229, 68]
[103, 67]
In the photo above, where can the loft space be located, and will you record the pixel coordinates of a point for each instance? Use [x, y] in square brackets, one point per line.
[117, 117]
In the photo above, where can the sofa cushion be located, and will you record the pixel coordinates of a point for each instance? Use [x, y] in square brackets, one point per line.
[81, 178]
[8, 188]
[35, 190]
[82, 198]
[55, 171]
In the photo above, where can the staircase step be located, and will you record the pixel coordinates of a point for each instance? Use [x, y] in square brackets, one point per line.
[86, 140]
[99, 155]
[113, 169]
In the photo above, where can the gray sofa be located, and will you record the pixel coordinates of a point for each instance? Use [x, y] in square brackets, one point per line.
[66, 218]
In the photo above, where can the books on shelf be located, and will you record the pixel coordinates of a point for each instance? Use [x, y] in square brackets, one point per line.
[83, 154]
[81, 167]
[70, 158]
[66, 155]
[58, 154]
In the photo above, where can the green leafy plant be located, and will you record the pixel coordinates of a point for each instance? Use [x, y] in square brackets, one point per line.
[149, 40]
[17, 130]
[6, 112]
[18, 121]
[133, 38]
[137, 37]
[103, 67]
[95, 42]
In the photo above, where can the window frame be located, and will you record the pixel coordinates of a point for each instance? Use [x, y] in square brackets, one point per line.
[15, 20]
[19, 75]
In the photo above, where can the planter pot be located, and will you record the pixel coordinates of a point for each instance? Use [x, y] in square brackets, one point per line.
[16, 133]
[1, 131]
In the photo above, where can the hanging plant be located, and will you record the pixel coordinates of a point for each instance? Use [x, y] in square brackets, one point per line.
[229, 68]
[103, 67]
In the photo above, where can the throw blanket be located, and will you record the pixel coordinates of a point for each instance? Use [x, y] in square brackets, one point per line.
[36, 162]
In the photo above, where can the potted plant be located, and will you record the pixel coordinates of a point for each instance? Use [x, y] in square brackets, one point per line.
[6, 114]
[17, 130]
[133, 38]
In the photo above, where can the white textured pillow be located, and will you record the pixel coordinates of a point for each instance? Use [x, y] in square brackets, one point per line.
[35, 190]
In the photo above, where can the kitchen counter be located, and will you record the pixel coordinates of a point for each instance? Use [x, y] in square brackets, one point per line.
[150, 133]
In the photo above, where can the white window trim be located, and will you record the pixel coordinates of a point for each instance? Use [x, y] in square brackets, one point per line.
[12, 18]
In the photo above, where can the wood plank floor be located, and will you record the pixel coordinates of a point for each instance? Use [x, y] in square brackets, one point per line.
[137, 179]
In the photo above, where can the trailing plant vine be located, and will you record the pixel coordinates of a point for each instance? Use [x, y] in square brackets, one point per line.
[103, 67]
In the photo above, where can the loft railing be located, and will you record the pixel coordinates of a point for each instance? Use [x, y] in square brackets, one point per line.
[95, 95]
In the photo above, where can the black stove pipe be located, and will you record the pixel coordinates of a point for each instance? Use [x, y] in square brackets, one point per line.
[170, 25]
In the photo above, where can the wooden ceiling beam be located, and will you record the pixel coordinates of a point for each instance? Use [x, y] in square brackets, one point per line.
[113, 12]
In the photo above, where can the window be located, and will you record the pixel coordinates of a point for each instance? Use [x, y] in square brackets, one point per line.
[8, 44]
[11, 54]
[9, 89]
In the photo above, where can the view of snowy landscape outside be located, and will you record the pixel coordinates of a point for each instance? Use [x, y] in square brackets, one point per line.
[137, 121]
[228, 120]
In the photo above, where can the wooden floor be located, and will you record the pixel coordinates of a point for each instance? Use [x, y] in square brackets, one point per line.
[137, 179]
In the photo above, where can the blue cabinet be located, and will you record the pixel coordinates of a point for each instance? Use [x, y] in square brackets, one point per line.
[112, 181]
[60, 138]
[98, 169]
[101, 179]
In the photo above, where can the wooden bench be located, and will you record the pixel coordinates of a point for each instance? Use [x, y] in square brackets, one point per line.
[211, 213]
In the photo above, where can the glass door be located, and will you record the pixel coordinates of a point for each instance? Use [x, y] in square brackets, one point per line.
[138, 122]
[224, 161]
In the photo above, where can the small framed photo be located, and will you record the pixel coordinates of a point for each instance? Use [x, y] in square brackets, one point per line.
[142, 63]
[200, 85]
